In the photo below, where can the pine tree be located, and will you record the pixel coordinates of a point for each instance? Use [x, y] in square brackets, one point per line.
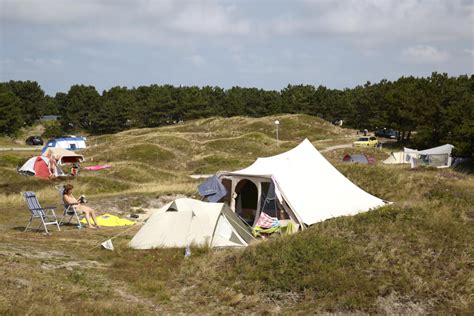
[10, 112]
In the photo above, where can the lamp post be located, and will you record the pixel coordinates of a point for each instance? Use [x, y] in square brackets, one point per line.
[277, 123]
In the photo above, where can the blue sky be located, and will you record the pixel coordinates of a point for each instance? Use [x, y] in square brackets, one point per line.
[263, 44]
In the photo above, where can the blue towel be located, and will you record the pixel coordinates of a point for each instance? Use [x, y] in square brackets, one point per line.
[212, 189]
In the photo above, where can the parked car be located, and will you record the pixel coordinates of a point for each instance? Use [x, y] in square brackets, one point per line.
[387, 133]
[34, 141]
[366, 142]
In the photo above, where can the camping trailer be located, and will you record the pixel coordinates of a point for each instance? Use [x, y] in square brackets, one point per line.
[298, 185]
[69, 143]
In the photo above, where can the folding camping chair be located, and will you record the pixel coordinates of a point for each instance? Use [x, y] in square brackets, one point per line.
[45, 214]
[69, 209]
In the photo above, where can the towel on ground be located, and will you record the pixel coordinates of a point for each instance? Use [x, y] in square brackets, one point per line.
[111, 220]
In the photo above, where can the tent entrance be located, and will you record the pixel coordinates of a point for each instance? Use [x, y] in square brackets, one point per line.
[246, 201]
[249, 197]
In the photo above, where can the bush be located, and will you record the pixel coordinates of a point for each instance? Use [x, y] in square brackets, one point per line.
[52, 130]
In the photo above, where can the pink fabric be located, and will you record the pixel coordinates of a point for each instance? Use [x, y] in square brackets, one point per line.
[265, 221]
[98, 167]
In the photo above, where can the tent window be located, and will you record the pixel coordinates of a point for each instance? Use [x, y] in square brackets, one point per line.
[265, 187]
[268, 199]
[246, 202]
[270, 204]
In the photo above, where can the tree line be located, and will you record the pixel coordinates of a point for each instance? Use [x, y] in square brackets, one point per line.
[438, 108]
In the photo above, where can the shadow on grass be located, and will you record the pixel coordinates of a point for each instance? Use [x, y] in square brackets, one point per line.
[465, 167]
[22, 228]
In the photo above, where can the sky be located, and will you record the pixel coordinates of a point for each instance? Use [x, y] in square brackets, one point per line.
[264, 44]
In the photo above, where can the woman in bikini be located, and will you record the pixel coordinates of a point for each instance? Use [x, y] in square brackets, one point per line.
[88, 212]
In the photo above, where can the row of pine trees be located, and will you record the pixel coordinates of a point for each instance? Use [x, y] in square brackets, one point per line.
[438, 109]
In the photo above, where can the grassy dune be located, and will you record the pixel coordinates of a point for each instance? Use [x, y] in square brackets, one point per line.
[412, 257]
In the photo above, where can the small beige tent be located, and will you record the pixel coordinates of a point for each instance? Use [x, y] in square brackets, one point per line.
[63, 156]
[397, 158]
[185, 222]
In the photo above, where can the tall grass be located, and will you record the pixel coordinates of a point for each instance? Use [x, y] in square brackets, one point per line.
[411, 257]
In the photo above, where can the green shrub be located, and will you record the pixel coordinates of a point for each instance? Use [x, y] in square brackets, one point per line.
[52, 130]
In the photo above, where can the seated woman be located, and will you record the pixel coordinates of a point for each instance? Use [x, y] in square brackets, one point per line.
[88, 212]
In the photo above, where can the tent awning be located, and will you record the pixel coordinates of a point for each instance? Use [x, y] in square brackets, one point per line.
[63, 156]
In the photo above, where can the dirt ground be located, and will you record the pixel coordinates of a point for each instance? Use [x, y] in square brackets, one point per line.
[125, 206]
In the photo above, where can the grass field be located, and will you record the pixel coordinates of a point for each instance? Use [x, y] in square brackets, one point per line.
[412, 257]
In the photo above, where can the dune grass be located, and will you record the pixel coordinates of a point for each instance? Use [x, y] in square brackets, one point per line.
[411, 257]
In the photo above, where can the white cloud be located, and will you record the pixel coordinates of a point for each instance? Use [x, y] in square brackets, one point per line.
[197, 60]
[268, 43]
[122, 21]
[470, 52]
[208, 19]
[424, 54]
[381, 20]
[6, 61]
[49, 11]
[255, 65]
[364, 23]
[43, 62]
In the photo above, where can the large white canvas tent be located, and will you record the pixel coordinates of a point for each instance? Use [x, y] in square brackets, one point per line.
[186, 222]
[436, 157]
[308, 188]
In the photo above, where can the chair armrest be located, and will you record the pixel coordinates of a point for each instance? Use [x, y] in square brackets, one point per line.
[49, 212]
[43, 208]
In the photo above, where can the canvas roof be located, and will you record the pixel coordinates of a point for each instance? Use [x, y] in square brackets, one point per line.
[186, 222]
[63, 155]
[311, 186]
[440, 150]
[397, 158]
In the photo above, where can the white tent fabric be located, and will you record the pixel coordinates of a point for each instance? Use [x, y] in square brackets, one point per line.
[187, 222]
[311, 186]
[398, 158]
[29, 165]
[441, 153]
[440, 150]
[63, 155]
